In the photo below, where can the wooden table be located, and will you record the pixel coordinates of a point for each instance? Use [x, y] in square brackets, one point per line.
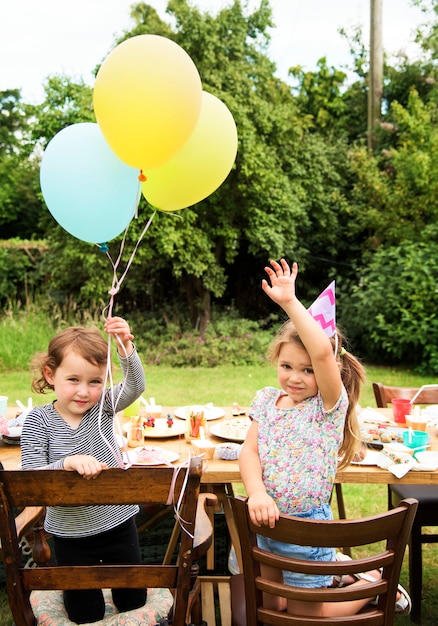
[218, 471]
[219, 475]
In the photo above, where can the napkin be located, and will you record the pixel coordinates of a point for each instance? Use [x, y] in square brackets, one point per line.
[4, 426]
[374, 417]
[401, 464]
[397, 464]
[24, 410]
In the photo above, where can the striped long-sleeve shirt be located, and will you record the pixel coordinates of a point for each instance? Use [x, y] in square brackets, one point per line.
[47, 439]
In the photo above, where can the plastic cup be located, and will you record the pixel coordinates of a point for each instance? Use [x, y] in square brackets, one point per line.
[3, 405]
[417, 422]
[132, 410]
[400, 408]
[417, 439]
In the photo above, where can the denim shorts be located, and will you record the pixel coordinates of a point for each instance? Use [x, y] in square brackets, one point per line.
[303, 552]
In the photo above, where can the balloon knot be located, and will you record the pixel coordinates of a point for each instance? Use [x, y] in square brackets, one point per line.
[141, 177]
[103, 247]
[113, 291]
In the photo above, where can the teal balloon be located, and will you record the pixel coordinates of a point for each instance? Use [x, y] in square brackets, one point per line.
[89, 191]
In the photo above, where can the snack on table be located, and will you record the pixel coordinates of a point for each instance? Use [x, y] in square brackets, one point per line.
[195, 421]
[397, 458]
[380, 433]
[235, 428]
[149, 456]
[360, 454]
[203, 446]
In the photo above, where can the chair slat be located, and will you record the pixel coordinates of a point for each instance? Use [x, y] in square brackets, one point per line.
[392, 528]
[136, 485]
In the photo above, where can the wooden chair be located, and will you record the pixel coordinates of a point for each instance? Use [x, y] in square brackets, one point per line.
[25, 522]
[427, 495]
[112, 486]
[392, 527]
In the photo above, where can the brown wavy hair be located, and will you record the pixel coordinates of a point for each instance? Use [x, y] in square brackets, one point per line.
[87, 342]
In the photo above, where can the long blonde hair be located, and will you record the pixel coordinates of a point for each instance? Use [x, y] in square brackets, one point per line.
[352, 375]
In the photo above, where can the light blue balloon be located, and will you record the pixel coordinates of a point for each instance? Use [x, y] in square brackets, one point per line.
[89, 191]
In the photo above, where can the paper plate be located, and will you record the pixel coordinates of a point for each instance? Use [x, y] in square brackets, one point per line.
[429, 458]
[371, 458]
[148, 456]
[13, 436]
[232, 430]
[210, 413]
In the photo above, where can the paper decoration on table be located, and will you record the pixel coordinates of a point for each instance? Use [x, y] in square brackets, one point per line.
[323, 310]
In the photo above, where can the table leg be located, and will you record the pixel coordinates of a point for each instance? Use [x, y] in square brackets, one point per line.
[223, 493]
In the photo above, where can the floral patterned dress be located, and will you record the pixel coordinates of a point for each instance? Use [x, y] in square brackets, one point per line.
[298, 448]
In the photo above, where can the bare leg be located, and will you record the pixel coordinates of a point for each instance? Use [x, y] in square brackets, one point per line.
[276, 603]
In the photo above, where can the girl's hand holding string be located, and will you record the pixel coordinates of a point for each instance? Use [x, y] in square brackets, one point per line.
[282, 278]
[119, 327]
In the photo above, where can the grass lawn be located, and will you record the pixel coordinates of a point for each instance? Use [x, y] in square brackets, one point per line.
[222, 385]
[227, 384]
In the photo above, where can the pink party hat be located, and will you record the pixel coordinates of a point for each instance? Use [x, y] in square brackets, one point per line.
[323, 310]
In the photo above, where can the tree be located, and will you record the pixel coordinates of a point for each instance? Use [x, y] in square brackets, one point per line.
[19, 204]
[258, 207]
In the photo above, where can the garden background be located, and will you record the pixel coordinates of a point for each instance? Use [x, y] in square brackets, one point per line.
[305, 185]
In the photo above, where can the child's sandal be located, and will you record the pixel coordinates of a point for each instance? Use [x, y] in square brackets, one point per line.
[403, 605]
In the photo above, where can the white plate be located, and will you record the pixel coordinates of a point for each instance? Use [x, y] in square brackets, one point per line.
[161, 430]
[13, 436]
[430, 408]
[13, 441]
[147, 456]
[430, 412]
[232, 430]
[428, 458]
[371, 458]
[210, 413]
[14, 432]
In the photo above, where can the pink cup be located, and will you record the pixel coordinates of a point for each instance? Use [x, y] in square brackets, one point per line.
[400, 408]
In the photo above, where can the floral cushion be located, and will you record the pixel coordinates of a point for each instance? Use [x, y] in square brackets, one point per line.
[49, 610]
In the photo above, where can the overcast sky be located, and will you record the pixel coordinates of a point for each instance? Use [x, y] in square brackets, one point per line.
[43, 37]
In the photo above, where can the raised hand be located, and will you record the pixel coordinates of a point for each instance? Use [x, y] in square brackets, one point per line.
[282, 279]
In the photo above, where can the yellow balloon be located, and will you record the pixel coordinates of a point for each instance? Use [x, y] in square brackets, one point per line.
[147, 99]
[202, 164]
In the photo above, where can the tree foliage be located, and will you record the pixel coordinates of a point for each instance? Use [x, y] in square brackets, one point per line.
[304, 186]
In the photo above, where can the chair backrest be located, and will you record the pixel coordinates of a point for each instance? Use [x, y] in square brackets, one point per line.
[384, 394]
[392, 527]
[25, 522]
[139, 485]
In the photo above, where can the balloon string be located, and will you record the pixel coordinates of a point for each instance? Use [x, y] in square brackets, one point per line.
[114, 401]
[149, 222]
[117, 282]
[115, 287]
